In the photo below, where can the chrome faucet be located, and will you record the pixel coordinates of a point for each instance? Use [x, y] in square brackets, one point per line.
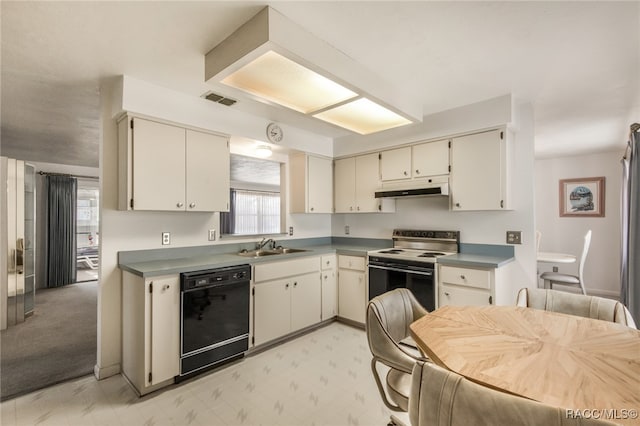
[264, 242]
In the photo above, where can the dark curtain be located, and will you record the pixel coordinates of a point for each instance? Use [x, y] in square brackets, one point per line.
[61, 230]
[228, 219]
[630, 268]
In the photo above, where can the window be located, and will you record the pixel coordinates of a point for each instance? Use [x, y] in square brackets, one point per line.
[252, 212]
[256, 202]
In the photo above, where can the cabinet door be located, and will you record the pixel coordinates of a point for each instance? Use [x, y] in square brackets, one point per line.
[306, 299]
[463, 296]
[329, 294]
[367, 182]
[158, 166]
[476, 172]
[207, 171]
[320, 185]
[351, 295]
[395, 164]
[164, 330]
[430, 159]
[344, 191]
[272, 310]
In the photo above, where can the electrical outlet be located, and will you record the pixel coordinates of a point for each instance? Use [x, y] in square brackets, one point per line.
[290, 230]
[212, 234]
[514, 237]
[166, 238]
[346, 229]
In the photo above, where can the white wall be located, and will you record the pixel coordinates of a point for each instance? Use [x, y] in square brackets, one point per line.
[565, 234]
[133, 230]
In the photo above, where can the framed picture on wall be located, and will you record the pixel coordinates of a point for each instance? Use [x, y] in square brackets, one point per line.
[582, 197]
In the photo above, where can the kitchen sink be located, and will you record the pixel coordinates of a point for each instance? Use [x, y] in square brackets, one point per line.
[267, 252]
[285, 250]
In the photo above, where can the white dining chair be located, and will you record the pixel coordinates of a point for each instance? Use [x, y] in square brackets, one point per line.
[551, 278]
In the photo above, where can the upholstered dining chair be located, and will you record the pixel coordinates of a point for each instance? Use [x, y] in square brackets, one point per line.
[388, 318]
[444, 398]
[575, 304]
[551, 278]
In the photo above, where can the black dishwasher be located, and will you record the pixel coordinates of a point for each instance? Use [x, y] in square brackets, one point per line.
[214, 311]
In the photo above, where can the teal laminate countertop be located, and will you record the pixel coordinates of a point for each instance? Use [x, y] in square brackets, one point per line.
[154, 267]
[475, 260]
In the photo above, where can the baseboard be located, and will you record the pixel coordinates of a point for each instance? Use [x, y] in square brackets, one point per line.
[104, 372]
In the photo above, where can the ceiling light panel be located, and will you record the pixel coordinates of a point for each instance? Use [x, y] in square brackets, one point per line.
[275, 60]
[287, 83]
[363, 116]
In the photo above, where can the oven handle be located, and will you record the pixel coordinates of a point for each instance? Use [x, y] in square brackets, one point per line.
[406, 271]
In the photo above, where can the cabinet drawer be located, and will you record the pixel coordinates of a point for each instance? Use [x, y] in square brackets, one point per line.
[479, 278]
[328, 261]
[460, 296]
[288, 268]
[351, 262]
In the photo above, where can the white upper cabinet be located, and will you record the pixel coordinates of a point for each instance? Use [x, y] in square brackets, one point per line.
[207, 172]
[395, 164]
[367, 183]
[311, 181]
[479, 169]
[356, 181]
[430, 159]
[159, 166]
[345, 185]
[170, 168]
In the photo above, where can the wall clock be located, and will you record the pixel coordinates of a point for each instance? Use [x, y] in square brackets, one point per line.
[274, 133]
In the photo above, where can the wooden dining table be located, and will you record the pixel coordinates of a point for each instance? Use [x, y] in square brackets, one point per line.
[557, 359]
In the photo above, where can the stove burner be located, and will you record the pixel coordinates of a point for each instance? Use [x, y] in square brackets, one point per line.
[392, 251]
[430, 254]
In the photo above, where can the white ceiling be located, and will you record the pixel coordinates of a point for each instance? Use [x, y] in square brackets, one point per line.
[577, 62]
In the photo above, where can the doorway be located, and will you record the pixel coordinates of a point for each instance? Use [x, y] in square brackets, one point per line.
[87, 230]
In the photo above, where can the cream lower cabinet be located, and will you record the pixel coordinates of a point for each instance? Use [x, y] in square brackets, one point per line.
[352, 288]
[329, 287]
[287, 297]
[150, 330]
[460, 286]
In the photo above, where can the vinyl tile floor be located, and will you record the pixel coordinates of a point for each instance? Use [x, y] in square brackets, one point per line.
[320, 378]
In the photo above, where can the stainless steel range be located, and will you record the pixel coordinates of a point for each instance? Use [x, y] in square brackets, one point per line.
[411, 263]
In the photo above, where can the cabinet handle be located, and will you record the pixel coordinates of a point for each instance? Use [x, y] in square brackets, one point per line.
[166, 287]
[192, 205]
[325, 277]
[446, 293]
[457, 204]
[405, 173]
[180, 204]
[311, 209]
[351, 208]
[286, 285]
[463, 277]
[358, 208]
[328, 262]
[417, 171]
[295, 284]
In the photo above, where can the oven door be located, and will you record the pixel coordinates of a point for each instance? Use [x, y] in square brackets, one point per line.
[420, 279]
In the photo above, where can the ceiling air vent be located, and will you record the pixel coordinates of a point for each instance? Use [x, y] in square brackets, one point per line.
[214, 97]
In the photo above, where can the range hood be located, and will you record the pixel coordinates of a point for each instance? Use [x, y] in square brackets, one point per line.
[414, 189]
